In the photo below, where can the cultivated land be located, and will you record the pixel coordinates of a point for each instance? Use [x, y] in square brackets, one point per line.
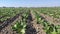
[42, 20]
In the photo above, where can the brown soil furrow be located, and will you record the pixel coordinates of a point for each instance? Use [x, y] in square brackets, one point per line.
[7, 27]
[54, 21]
[38, 27]
[30, 28]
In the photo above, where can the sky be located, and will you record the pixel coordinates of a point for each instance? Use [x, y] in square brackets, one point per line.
[29, 3]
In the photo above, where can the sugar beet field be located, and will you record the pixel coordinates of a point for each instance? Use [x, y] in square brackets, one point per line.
[30, 20]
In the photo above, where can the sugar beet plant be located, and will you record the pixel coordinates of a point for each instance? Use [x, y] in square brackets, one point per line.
[49, 28]
[20, 26]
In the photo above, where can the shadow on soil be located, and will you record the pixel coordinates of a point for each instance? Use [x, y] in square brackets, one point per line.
[30, 29]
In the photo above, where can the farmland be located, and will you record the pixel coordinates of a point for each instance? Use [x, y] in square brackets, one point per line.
[44, 20]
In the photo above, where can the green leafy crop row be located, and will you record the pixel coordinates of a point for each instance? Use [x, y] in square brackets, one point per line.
[54, 12]
[49, 28]
[9, 12]
[20, 26]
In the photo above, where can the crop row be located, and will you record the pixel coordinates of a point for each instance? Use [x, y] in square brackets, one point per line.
[20, 25]
[6, 13]
[49, 28]
[53, 12]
